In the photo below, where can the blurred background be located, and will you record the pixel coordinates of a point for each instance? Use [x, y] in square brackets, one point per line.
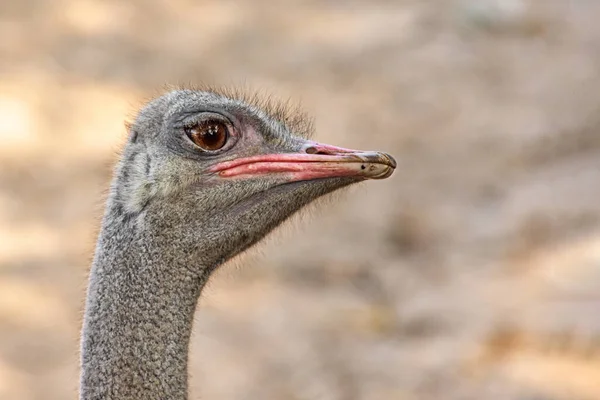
[473, 273]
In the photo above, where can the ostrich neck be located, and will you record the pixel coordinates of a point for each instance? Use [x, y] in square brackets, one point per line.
[146, 278]
[138, 315]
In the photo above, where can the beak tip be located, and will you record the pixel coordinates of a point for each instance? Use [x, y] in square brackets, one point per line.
[391, 161]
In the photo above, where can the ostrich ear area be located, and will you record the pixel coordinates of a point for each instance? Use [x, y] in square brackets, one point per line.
[313, 161]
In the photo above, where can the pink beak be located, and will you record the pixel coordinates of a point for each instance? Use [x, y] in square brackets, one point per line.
[314, 161]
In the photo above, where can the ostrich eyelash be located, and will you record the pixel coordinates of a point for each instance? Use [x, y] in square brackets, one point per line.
[288, 112]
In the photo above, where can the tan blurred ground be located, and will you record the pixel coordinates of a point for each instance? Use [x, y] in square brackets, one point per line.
[474, 273]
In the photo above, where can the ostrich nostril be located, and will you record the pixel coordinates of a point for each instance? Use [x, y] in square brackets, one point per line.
[316, 150]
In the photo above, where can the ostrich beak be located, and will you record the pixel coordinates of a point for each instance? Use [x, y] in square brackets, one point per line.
[313, 161]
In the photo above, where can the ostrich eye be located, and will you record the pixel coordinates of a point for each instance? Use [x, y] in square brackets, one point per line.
[208, 135]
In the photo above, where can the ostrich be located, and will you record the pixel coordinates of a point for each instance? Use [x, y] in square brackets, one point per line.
[203, 176]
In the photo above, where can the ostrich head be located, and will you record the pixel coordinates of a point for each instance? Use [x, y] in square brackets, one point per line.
[203, 176]
[205, 161]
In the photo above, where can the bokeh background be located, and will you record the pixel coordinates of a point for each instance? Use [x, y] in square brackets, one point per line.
[473, 273]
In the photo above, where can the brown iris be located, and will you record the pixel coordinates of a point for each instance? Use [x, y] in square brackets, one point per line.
[208, 135]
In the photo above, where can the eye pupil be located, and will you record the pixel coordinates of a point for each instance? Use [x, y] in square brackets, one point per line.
[209, 135]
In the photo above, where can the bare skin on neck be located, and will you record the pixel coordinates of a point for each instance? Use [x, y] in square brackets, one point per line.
[203, 177]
